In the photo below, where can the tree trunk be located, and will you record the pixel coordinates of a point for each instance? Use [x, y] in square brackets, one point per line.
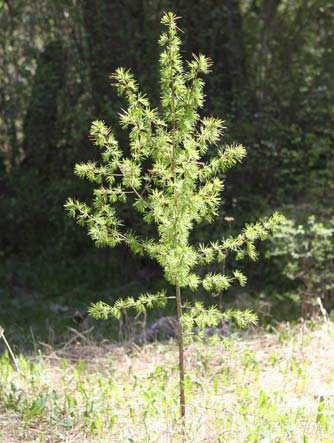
[181, 356]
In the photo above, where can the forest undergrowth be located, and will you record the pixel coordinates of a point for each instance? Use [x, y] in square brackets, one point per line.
[259, 386]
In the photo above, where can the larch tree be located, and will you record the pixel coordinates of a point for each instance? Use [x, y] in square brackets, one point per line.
[173, 179]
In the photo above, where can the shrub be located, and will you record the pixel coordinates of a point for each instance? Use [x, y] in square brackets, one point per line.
[305, 253]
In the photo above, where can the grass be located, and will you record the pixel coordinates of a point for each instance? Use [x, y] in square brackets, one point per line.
[261, 387]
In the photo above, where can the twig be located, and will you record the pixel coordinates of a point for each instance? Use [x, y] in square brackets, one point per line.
[2, 335]
[78, 334]
[322, 309]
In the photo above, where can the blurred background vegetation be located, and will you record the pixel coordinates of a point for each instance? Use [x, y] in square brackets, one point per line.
[273, 84]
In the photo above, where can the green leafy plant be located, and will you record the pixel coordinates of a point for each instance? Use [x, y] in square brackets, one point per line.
[306, 255]
[172, 179]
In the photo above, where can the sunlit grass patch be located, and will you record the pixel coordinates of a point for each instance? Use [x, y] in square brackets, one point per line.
[257, 389]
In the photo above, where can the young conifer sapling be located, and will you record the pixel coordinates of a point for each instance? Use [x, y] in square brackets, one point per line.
[173, 176]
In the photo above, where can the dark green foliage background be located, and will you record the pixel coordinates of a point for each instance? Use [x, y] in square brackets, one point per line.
[272, 81]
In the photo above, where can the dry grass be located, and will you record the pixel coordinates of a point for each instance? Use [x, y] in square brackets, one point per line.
[276, 387]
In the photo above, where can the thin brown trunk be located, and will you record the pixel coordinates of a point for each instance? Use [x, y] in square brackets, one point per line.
[177, 289]
[181, 358]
